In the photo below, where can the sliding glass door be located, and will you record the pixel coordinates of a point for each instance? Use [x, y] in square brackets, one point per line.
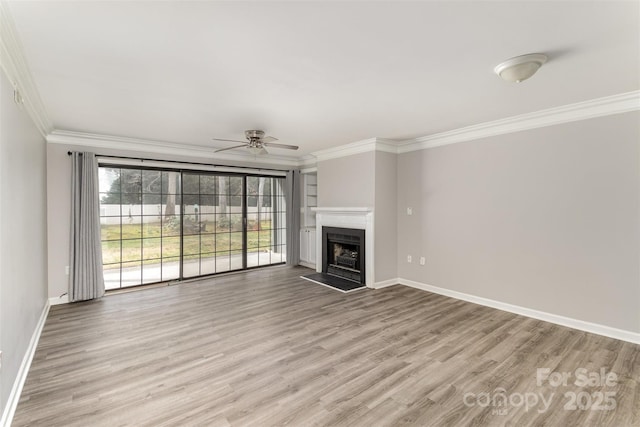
[213, 227]
[161, 225]
[140, 224]
[266, 219]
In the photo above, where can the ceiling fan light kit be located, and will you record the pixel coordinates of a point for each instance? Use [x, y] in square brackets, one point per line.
[255, 143]
[257, 151]
[520, 68]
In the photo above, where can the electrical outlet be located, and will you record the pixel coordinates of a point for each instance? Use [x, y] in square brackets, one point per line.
[66, 270]
[422, 261]
[409, 258]
[409, 211]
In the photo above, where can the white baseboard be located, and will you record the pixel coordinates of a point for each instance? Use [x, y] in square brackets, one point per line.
[64, 299]
[16, 390]
[581, 325]
[307, 264]
[386, 283]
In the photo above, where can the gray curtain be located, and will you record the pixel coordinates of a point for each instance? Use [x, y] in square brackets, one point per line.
[85, 271]
[293, 214]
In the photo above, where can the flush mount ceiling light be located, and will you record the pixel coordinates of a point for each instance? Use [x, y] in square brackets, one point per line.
[520, 68]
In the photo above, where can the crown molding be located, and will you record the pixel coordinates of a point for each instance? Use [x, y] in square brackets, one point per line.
[364, 146]
[308, 161]
[386, 145]
[599, 107]
[15, 67]
[121, 143]
[609, 105]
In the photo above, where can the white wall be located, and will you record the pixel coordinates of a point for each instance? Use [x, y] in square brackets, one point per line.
[547, 219]
[23, 235]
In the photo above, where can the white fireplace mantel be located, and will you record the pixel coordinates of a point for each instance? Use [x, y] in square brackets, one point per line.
[347, 217]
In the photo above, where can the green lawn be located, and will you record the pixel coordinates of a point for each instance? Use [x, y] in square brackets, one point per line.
[152, 241]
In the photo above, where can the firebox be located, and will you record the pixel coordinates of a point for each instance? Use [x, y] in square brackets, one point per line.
[343, 253]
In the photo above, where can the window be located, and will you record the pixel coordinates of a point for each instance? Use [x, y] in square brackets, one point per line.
[160, 225]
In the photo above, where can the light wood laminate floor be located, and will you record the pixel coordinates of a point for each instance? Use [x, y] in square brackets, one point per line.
[266, 348]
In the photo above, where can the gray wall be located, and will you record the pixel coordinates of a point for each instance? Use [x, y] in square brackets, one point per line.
[23, 245]
[546, 219]
[370, 181]
[58, 218]
[385, 216]
[356, 172]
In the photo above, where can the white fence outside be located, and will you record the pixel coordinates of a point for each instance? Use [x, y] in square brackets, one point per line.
[136, 214]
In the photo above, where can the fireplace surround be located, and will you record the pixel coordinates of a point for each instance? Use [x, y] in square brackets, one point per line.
[343, 253]
[360, 218]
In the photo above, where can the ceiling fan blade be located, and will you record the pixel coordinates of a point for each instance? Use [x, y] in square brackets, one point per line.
[230, 148]
[288, 147]
[229, 140]
[269, 139]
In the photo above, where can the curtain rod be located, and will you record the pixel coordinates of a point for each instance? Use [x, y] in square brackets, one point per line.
[184, 163]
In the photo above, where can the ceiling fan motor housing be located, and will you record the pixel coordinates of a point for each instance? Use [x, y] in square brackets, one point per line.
[256, 141]
[254, 134]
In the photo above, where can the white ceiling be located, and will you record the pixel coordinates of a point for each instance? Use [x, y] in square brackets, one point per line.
[316, 74]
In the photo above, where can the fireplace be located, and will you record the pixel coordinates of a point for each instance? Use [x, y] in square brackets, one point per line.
[343, 252]
[358, 218]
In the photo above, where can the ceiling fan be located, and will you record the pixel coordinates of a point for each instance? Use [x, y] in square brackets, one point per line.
[256, 141]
